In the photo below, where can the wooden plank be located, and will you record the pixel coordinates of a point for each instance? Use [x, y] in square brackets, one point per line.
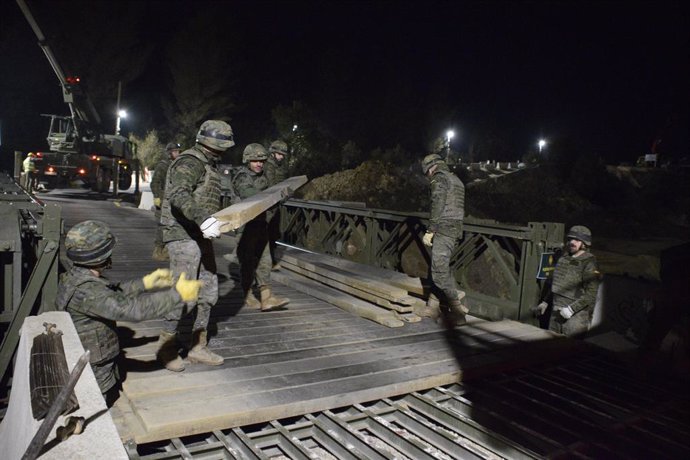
[237, 360]
[365, 295]
[182, 382]
[313, 263]
[240, 213]
[339, 299]
[409, 283]
[230, 410]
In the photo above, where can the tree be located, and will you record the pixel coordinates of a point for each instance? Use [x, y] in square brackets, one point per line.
[351, 155]
[150, 150]
[201, 77]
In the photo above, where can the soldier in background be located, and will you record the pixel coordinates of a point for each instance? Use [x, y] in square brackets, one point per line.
[276, 171]
[95, 304]
[574, 286]
[29, 168]
[445, 228]
[191, 197]
[253, 249]
[160, 174]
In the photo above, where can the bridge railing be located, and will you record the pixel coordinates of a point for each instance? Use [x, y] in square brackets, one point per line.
[29, 244]
[495, 264]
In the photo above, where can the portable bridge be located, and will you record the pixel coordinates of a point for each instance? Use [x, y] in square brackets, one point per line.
[314, 381]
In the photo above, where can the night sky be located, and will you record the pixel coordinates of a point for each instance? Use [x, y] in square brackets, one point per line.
[611, 75]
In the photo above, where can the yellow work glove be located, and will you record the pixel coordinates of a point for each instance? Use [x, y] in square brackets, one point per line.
[157, 202]
[157, 279]
[188, 289]
[428, 239]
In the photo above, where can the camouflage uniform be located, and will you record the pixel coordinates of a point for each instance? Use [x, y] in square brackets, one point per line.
[192, 193]
[575, 284]
[276, 172]
[447, 214]
[253, 250]
[158, 189]
[159, 177]
[95, 305]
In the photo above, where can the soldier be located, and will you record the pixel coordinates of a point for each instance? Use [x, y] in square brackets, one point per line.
[253, 250]
[29, 168]
[574, 286]
[172, 151]
[276, 167]
[95, 304]
[276, 171]
[445, 228]
[191, 197]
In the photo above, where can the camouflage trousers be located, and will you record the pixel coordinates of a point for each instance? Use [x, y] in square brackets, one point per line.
[254, 254]
[196, 258]
[441, 272]
[576, 326]
[159, 229]
[107, 374]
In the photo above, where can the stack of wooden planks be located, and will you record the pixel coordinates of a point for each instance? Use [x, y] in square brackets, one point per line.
[373, 293]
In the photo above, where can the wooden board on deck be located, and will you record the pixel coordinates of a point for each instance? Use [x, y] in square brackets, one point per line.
[397, 279]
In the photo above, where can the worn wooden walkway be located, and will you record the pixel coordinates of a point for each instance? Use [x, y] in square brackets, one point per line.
[311, 357]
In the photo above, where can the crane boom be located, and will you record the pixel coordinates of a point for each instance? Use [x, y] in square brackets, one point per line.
[87, 152]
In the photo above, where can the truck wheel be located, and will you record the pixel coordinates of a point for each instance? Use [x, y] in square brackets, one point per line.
[102, 181]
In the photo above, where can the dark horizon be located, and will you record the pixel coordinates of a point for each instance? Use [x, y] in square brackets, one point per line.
[610, 76]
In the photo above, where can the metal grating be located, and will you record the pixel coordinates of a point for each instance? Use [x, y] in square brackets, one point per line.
[589, 407]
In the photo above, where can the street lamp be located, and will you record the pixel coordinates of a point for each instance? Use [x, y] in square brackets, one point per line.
[120, 114]
[542, 144]
[449, 135]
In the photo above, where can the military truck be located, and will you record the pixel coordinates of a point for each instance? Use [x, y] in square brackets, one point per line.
[83, 150]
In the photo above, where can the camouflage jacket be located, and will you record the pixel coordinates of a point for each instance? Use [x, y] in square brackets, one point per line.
[248, 183]
[95, 305]
[159, 176]
[192, 194]
[275, 172]
[447, 203]
[575, 282]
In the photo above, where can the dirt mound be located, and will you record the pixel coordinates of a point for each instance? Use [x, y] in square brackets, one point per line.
[635, 204]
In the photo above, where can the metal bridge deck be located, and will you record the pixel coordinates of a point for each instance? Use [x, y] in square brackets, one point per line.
[317, 367]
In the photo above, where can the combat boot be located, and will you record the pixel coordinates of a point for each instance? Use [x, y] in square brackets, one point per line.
[200, 352]
[457, 315]
[167, 352]
[432, 309]
[250, 301]
[269, 302]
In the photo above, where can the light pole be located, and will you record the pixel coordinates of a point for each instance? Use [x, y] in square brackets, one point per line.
[120, 114]
[449, 135]
[541, 144]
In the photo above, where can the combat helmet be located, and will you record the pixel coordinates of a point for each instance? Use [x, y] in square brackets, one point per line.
[172, 146]
[215, 134]
[89, 243]
[254, 152]
[580, 232]
[431, 160]
[278, 146]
